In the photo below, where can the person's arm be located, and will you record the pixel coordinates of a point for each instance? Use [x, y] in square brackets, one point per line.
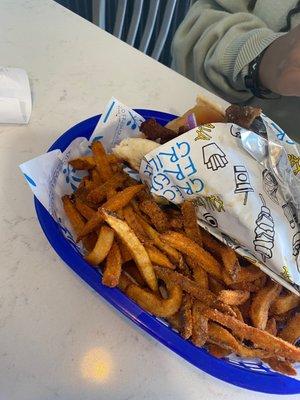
[214, 47]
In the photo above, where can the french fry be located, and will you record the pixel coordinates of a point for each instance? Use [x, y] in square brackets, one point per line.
[246, 274]
[175, 220]
[120, 200]
[192, 249]
[102, 246]
[185, 314]
[233, 297]
[200, 276]
[125, 253]
[154, 304]
[76, 220]
[100, 193]
[221, 336]
[261, 303]
[230, 262]
[215, 285]
[101, 161]
[271, 326]
[291, 332]
[285, 303]
[132, 270]
[158, 258]
[238, 313]
[174, 255]
[174, 321]
[133, 222]
[200, 325]
[125, 281]
[95, 178]
[190, 223]
[82, 163]
[112, 271]
[86, 211]
[282, 366]
[156, 215]
[217, 351]
[136, 248]
[253, 286]
[260, 338]
[191, 287]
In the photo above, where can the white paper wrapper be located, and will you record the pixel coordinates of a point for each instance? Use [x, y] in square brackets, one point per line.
[15, 96]
[246, 187]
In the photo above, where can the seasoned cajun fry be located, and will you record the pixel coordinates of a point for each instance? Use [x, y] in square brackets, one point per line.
[185, 314]
[271, 326]
[101, 161]
[136, 248]
[190, 223]
[102, 246]
[132, 270]
[246, 274]
[215, 286]
[156, 215]
[86, 211]
[238, 313]
[261, 303]
[174, 255]
[285, 303]
[158, 258]
[200, 276]
[89, 241]
[282, 366]
[253, 286]
[221, 336]
[134, 223]
[260, 338]
[233, 297]
[174, 321]
[291, 332]
[217, 351]
[175, 221]
[154, 304]
[125, 253]
[112, 271]
[191, 287]
[230, 262]
[120, 200]
[95, 178]
[81, 163]
[75, 218]
[192, 249]
[200, 326]
[100, 193]
[124, 281]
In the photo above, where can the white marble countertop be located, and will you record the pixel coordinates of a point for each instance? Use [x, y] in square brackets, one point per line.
[53, 327]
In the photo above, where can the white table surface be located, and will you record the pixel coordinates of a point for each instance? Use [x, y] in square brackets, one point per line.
[58, 338]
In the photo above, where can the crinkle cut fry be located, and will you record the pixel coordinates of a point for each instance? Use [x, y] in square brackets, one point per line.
[261, 339]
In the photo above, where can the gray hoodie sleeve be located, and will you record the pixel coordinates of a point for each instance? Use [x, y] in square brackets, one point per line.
[213, 47]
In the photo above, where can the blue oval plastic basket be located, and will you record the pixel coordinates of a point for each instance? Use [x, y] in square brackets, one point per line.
[249, 374]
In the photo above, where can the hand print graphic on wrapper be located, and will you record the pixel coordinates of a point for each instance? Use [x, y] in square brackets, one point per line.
[214, 157]
[264, 232]
[70, 176]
